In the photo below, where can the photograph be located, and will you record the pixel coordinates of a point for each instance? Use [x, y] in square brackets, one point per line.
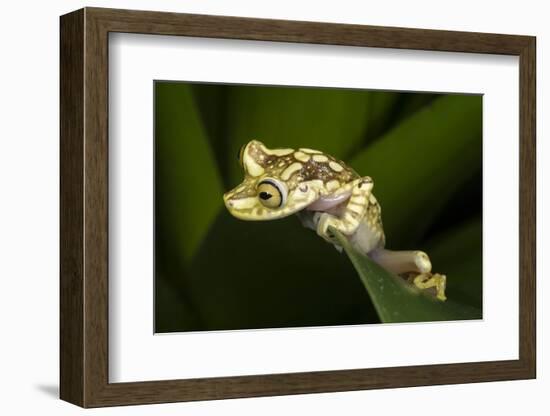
[306, 206]
[267, 204]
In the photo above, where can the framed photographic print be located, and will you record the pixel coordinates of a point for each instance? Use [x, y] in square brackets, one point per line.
[255, 207]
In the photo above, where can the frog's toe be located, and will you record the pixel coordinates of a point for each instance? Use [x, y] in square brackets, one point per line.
[324, 221]
[437, 282]
[316, 218]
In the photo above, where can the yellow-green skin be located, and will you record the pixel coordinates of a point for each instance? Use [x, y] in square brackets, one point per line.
[309, 176]
[325, 193]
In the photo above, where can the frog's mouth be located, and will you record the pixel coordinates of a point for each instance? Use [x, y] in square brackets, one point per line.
[235, 205]
[249, 208]
[244, 203]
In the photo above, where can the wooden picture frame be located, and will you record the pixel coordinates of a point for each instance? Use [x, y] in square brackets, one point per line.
[84, 207]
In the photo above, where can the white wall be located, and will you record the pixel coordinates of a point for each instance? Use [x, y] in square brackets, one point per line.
[29, 206]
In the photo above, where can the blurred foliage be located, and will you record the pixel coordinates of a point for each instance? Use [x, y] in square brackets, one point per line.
[185, 172]
[422, 162]
[214, 272]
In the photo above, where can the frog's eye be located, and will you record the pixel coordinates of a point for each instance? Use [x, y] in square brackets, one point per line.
[271, 193]
[240, 155]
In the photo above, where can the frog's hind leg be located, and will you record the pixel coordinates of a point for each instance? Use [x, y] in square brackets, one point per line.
[400, 262]
[416, 265]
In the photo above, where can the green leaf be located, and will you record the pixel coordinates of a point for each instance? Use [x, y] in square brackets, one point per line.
[410, 103]
[420, 164]
[211, 100]
[386, 110]
[188, 190]
[395, 300]
[381, 108]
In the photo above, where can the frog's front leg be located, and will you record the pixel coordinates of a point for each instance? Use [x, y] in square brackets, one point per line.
[352, 213]
[416, 264]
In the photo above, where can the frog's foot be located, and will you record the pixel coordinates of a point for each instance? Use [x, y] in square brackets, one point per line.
[413, 265]
[348, 221]
[427, 281]
[323, 221]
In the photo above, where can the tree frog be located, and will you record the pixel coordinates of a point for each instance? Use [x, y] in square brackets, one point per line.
[324, 193]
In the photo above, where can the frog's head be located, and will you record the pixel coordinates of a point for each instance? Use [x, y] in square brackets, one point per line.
[273, 185]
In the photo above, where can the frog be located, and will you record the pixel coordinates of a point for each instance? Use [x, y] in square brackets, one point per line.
[325, 193]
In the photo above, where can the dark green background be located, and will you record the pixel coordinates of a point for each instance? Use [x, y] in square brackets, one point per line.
[214, 272]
